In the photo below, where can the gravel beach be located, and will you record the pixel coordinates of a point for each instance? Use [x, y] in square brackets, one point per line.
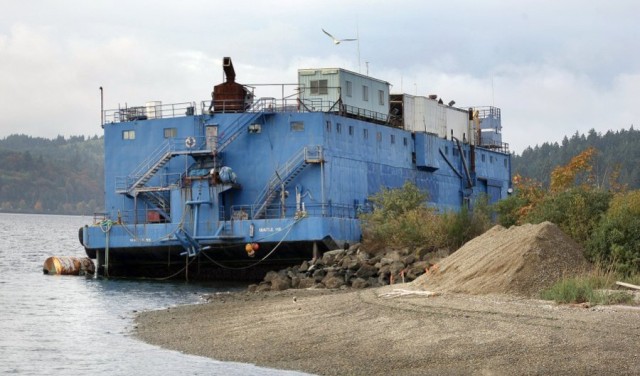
[399, 330]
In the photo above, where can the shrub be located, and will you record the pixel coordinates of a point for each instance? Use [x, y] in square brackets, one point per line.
[508, 210]
[401, 219]
[462, 226]
[576, 211]
[617, 237]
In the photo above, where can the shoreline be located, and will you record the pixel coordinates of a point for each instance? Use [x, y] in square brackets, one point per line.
[365, 332]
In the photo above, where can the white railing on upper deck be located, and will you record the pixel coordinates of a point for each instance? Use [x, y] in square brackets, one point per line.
[288, 100]
[152, 110]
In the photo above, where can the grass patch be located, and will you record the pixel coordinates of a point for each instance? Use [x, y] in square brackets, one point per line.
[570, 290]
[595, 287]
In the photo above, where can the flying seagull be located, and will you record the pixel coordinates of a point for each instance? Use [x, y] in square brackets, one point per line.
[335, 40]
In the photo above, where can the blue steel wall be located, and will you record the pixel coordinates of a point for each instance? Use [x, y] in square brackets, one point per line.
[124, 156]
[356, 166]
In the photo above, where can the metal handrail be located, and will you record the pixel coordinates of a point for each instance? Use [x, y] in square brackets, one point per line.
[282, 173]
[164, 151]
[152, 111]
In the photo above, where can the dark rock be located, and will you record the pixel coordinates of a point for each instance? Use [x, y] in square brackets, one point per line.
[396, 267]
[386, 261]
[306, 283]
[333, 282]
[252, 288]
[383, 279]
[318, 275]
[366, 271]
[330, 257]
[262, 287]
[390, 257]
[359, 283]
[421, 252]
[304, 266]
[354, 247]
[348, 274]
[270, 276]
[410, 259]
[362, 256]
[419, 267]
[295, 281]
[279, 284]
[350, 262]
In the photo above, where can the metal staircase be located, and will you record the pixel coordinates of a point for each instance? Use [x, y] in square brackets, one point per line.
[261, 107]
[140, 176]
[236, 129]
[285, 175]
[135, 184]
[158, 200]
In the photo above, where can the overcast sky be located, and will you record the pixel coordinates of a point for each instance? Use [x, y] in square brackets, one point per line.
[553, 67]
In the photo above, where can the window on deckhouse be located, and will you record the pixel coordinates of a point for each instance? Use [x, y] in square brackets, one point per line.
[319, 87]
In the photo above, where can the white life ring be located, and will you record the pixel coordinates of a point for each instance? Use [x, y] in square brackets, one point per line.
[190, 142]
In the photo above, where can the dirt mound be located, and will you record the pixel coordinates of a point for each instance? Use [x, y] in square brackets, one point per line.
[521, 260]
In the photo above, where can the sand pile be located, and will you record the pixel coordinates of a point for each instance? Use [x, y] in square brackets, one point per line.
[521, 260]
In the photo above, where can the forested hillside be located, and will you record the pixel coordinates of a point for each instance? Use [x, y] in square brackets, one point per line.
[616, 152]
[59, 176]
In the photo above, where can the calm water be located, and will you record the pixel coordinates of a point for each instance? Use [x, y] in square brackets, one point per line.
[61, 325]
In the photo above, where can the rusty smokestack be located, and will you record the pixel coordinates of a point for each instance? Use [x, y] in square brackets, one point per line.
[229, 72]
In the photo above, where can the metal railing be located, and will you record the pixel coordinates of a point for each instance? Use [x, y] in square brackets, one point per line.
[167, 181]
[162, 152]
[297, 100]
[153, 110]
[276, 210]
[308, 154]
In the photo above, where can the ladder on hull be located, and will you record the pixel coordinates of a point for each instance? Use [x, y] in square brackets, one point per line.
[285, 175]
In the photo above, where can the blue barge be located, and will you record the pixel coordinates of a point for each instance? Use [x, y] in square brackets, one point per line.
[241, 183]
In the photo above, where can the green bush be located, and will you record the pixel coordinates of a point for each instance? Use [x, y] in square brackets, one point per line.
[401, 219]
[508, 210]
[464, 225]
[576, 211]
[616, 240]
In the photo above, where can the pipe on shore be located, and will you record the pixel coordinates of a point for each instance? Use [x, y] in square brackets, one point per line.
[68, 265]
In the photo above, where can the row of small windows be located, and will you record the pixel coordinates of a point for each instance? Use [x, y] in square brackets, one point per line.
[168, 133]
[365, 133]
[320, 87]
[298, 126]
[492, 159]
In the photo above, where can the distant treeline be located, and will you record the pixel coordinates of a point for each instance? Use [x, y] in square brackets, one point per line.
[616, 153]
[53, 176]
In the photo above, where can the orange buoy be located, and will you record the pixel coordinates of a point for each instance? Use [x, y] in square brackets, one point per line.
[250, 249]
[68, 265]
